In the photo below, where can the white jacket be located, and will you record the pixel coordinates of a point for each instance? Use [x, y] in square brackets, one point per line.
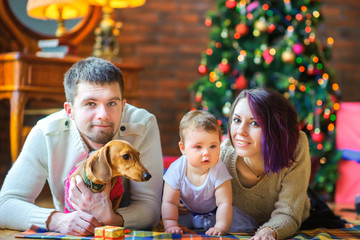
[53, 148]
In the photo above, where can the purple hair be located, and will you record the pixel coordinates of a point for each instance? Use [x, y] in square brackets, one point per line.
[279, 125]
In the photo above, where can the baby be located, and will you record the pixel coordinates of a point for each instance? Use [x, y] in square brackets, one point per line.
[198, 179]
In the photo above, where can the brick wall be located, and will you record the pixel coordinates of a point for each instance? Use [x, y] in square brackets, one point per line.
[167, 37]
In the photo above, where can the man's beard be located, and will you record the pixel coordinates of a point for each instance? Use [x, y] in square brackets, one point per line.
[100, 137]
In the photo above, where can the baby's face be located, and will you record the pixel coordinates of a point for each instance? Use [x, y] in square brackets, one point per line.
[201, 148]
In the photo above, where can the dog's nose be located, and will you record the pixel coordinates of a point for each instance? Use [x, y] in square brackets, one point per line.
[146, 176]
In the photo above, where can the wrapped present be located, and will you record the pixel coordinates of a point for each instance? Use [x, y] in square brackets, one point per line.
[109, 232]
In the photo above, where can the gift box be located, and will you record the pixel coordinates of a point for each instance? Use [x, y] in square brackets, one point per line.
[109, 232]
[348, 141]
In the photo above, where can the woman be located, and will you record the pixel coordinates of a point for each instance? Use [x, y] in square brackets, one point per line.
[268, 158]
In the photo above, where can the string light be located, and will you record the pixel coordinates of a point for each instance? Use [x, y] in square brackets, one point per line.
[325, 76]
[292, 87]
[299, 60]
[212, 76]
[316, 14]
[208, 22]
[333, 117]
[330, 41]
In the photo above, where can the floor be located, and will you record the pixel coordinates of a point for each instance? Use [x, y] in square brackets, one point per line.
[346, 211]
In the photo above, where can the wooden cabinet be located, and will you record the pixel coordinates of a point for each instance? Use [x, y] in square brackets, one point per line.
[25, 77]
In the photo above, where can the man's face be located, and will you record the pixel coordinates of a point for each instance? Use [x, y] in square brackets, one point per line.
[97, 112]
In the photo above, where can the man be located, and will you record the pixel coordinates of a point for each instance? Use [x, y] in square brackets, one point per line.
[95, 112]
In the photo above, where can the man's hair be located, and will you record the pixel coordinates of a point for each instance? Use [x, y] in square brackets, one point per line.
[91, 70]
[199, 119]
[279, 125]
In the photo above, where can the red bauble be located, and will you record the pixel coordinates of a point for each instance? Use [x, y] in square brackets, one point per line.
[230, 4]
[267, 56]
[224, 67]
[242, 29]
[202, 69]
[240, 82]
[318, 137]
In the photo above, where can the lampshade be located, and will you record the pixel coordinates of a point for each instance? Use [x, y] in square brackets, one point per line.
[59, 10]
[118, 3]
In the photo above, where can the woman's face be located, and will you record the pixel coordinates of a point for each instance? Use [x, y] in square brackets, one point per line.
[245, 131]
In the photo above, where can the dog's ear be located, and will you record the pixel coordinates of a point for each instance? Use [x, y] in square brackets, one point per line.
[99, 169]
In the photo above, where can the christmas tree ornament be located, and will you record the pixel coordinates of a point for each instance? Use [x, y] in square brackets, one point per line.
[298, 48]
[224, 67]
[242, 29]
[231, 4]
[271, 28]
[318, 137]
[202, 69]
[241, 82]
[288, 56]
[267, 56]
[261, 24]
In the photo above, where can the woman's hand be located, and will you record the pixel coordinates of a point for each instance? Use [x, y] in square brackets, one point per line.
[265, 233]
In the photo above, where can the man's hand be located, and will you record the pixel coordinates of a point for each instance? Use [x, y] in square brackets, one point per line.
[75, 223]
[97, 205]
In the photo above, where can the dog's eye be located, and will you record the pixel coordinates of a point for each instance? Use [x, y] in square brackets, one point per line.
[126, 156]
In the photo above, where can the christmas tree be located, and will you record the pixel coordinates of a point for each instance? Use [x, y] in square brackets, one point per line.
[274, 44]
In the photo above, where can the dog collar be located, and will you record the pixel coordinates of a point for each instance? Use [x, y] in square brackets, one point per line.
[92, 185]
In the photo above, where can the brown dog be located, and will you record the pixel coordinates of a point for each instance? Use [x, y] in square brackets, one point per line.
[116, 158]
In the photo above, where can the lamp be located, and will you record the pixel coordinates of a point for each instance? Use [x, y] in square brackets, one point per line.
[58, 10]
[106, 35]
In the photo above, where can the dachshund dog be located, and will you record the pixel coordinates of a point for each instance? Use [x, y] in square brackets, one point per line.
[117, 158]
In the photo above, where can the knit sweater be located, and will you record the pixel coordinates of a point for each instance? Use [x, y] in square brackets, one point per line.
[54, 147]
[278, 201]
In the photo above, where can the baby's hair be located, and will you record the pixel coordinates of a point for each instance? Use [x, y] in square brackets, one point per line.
[199, 119]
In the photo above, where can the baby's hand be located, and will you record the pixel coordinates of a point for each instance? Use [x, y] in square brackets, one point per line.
[215, 231]
[174, 229]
